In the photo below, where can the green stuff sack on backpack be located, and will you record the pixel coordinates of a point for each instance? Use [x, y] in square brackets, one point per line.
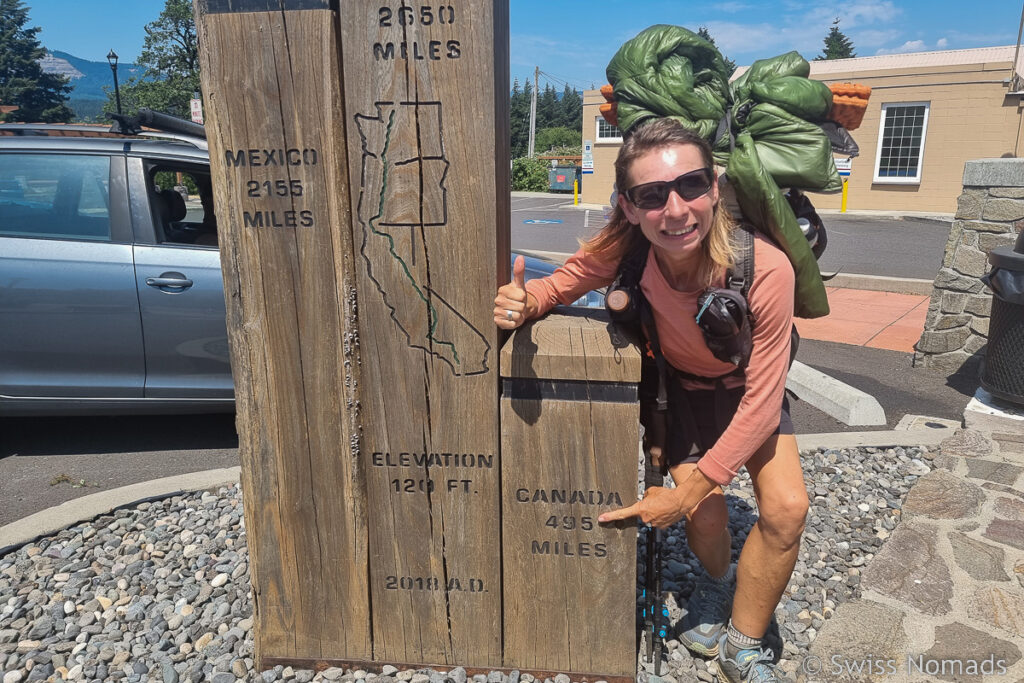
[763, 129]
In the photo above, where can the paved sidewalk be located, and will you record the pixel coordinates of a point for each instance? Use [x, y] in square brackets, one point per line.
[944, 598]
[879, 320]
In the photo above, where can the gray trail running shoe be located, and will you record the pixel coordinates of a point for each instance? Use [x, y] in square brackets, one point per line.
[707, 613]
[749, 666]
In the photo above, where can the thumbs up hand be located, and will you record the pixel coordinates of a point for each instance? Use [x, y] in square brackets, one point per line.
[511, 304]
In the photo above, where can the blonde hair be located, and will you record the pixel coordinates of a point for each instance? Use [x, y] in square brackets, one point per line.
[620, 237]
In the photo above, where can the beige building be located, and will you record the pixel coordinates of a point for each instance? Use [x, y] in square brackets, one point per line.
[932, 112]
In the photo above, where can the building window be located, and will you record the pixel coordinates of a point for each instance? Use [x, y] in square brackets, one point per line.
[901, 142]
[606, 132]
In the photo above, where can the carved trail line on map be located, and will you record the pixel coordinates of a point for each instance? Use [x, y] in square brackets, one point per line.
[443, 322]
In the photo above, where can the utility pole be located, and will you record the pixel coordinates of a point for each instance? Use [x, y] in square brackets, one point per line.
[533, 112]
[1014, 76]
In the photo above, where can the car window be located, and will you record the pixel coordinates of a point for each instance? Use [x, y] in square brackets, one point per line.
[50, 196]
[182, 201]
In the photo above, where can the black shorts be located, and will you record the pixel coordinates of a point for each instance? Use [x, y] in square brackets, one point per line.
[697, 418]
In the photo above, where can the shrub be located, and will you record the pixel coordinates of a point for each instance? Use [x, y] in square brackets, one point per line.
[530, 174]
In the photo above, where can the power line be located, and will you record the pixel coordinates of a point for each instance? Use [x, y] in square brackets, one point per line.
[558, 80]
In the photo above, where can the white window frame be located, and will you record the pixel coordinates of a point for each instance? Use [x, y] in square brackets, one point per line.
[602, 140]
[901, 180]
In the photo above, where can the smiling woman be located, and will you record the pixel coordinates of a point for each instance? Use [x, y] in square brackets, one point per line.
[722, 414]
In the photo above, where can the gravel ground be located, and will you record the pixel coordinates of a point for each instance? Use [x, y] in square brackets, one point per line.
[161, 591]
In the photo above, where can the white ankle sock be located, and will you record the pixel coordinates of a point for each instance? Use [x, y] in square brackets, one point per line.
[737, 641]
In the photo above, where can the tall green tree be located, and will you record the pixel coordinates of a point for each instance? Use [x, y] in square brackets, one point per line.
[39, 96]
[170, 55]
[572, 109]
[706, 35]
[837, 45]
[519, 115]
[548, 110]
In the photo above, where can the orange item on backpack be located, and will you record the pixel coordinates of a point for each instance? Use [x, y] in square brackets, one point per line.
[610, 109]
[849, 102]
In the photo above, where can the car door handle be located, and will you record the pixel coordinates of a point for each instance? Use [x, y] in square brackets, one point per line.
[169, 280]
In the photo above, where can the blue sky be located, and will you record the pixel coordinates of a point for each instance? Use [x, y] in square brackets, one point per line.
[572, 40]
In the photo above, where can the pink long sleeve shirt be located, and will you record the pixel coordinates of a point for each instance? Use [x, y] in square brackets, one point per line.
[771, 306]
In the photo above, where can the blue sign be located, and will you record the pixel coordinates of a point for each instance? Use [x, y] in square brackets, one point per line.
[541, 221]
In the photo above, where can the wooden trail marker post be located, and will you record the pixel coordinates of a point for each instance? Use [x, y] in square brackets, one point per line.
[426, 107]
[569, 422]
[359, 152]
[272, 80]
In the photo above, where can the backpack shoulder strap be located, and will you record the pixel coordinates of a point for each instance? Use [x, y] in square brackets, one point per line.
[631, 267]
[740, 277]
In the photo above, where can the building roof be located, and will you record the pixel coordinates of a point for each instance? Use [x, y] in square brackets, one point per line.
[909, 60]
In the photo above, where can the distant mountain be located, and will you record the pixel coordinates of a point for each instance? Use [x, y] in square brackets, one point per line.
[88, 79]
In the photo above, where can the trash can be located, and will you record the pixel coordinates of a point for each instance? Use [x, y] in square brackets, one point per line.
[1002, 373]
[562, 178]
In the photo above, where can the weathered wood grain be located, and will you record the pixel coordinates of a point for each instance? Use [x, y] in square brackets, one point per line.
[426, 90]
[272, 83]
[569, 583]
[564, 346]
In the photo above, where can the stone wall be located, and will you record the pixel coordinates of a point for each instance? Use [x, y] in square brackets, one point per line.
[990, 213]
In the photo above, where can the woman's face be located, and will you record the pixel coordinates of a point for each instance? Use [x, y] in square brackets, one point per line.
[678, 227]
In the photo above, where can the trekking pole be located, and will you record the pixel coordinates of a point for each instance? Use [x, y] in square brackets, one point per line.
[649, 596]
[654, 608]
[661, 611]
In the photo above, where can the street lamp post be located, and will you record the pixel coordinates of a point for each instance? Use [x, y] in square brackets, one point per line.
[112, 60]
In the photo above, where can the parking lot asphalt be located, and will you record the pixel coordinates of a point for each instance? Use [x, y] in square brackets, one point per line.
[48, 461]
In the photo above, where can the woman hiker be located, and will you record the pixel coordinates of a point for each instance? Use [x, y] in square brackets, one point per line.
[669, 197]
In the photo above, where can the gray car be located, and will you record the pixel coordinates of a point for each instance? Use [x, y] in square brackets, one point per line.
[111, 298]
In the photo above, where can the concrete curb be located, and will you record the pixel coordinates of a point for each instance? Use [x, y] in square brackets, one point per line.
[75, 511]
[882, 283]
[519, 194]
[849, 405]
[880, 439]
[934, 216]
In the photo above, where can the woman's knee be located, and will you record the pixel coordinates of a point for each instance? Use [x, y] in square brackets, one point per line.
[709, 517]
[784, 514]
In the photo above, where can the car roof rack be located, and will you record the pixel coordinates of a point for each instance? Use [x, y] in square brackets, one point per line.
[159, 125]
[145, 124]
[55, 129]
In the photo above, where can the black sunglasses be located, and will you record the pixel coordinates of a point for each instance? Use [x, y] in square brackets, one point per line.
[689, 186]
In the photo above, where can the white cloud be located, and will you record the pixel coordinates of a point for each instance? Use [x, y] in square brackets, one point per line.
[914, 46]
[909, 46]
[866, 13]
[803, 25]
[736, 39]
